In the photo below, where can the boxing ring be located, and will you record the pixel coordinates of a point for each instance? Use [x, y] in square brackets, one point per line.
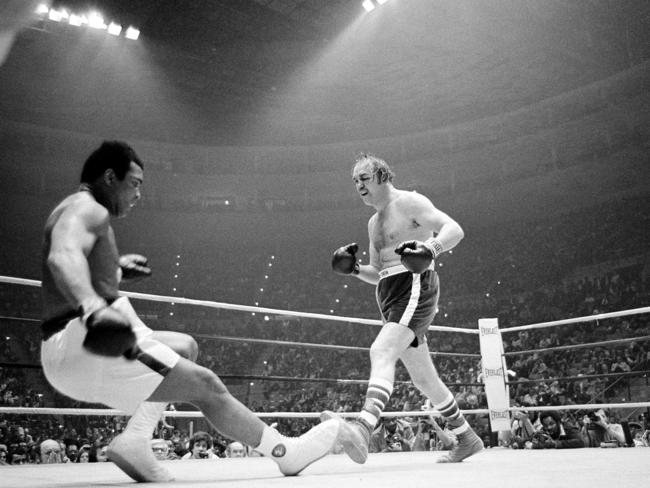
[494, 467]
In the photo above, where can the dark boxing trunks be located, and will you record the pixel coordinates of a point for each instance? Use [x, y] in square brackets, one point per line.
[408, 299]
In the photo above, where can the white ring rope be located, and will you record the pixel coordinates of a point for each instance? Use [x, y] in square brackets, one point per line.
[589, 318]
[417, 413]
[197, 414]
[247, 308]
[242, 308]
[312, 345]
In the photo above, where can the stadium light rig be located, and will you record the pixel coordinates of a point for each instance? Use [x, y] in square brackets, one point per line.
[370, 5]
[93, 20]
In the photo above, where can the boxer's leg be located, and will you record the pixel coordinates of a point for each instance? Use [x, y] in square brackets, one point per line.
[198, 385]
[391, 341]
[425, 377]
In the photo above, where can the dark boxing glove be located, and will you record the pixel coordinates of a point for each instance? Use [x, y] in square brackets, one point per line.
[344, 260]
[109, 333]
[416, 255]
[134, 267]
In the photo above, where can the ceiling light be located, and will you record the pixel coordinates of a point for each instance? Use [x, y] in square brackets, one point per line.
[114, 29]
[132, 33]
[96, 21]
[55, 15]
[368, 5]
[75, 20]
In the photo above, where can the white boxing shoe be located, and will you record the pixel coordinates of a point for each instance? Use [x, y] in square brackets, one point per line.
[293, 454]
[354, 438]
[133, 455]
[468, 444]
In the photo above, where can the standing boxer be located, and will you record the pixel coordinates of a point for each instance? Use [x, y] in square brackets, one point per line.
[406, 234]
[96, 349]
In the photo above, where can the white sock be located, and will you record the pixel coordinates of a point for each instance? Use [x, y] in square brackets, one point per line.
[145, 419]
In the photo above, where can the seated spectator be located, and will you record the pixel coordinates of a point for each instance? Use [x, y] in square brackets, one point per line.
[235, 450]
[177, 447]
[84, 454]
[555, 434]
[596, 431]
[160, 449]
[201, 444]
[3, 455]
[639, 436]
[18, 453]
[391, 435]
[98, 453]
[51, 452]
[71, 450]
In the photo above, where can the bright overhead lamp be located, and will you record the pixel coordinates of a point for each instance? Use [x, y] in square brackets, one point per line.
[96, 21]
[54, 15]
[368, 5]
[132, 33]
[75, 20]
[114, 29]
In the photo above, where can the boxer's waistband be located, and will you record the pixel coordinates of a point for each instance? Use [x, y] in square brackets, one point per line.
[57, 324]
[397, 269]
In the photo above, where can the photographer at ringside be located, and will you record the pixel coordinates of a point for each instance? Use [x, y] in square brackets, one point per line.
[392, 435]
[597, 431]
[431, 436]
[521, 432]
[555, 434]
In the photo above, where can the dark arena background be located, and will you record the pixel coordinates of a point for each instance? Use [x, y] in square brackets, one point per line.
[527, 121]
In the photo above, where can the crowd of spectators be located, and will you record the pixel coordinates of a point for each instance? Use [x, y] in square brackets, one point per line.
[535, 271]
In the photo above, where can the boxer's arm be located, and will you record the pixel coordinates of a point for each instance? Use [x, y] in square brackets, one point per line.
[448, 233]
[370, 272]
[72, 239]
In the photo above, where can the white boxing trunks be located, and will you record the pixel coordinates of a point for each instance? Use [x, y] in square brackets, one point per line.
[114, 381]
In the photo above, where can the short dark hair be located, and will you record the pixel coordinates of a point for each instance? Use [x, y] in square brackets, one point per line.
[115, 155]
[379, 167]
[201, 436]
[550, 413]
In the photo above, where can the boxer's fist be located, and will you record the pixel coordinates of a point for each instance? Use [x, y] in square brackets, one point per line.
[109, 333]
[134, 267]
[344, 260]
[416, 255]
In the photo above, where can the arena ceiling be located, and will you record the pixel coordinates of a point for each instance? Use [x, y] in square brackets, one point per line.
[302, 72]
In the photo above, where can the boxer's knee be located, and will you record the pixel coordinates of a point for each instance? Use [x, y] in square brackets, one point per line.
[190, 349]
[208, 385]
[383, 354]
[186, 346]
[183, 344]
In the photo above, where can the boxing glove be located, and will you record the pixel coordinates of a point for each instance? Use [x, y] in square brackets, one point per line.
[344, 260]
[109, 333]
[134, 267]
[416, 255]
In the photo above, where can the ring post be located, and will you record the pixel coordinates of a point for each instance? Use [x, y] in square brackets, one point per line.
[493, 370]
